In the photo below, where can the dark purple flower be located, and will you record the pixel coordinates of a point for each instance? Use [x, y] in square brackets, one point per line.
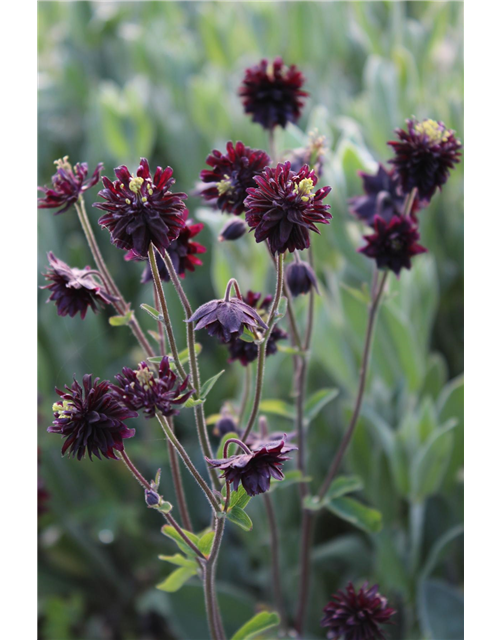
[247, 352]
[254, 470]
[74, 290]
[68, 183]
[140, 389]
[393, 244]
[424, 156]
[152, 498]
[225, 424]
[272, 94]
[383, 197]
[356, 616]
[233, 229]
[226, 319]
[231, 175]
[283, 208]
[300, 278]
[91, 419]
[182, 252]
[141, 209]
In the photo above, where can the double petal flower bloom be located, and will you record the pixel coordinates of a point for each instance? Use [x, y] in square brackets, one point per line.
[68, 183]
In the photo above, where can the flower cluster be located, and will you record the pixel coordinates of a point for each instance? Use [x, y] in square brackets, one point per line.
[68, 184]
[283, 208]
[74, 290]
[91, 419]
[141, 209]
[247, 352]
[227, 319]
[356, 616]
[255, 469]
[272, 93]
[232, 173]
[182, 251]
[140, 389]
[424, 156]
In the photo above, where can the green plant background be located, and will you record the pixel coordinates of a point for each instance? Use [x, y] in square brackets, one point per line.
[118, 81]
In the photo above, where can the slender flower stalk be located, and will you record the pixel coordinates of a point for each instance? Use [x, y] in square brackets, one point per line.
[161, 331]
[199, 412]
[168, 517]
[121, 306]
[275, 559]
[213, 613]
[246, 393]
[261, 358]
[178, 484]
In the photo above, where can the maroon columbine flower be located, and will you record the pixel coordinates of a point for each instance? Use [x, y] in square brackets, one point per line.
[227, 319]
[272, 93]
[141, 209]
[254, 470]
[68, 183]
[424, 156]
[300, 278]
[383, 197]
[283, 208]
[91, 419]
[74, 290]
[247, 352]
[225, 424]
[231, 175]
[233, 229]
[356, 616]
[393, 244]
[140, 389]
[182, 252]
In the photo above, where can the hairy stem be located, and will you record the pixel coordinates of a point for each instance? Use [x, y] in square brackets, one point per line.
[261, 358]
[246, 393]
[161, 331]
[213, 613]
[275, 558]
[178, 484]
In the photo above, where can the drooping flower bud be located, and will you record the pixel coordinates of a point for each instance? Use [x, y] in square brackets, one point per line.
[300, 278]
[233, 229]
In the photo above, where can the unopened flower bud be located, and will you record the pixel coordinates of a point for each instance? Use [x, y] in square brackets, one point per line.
[233, 229]
[225, 424]
[152, 498]
[300, 278]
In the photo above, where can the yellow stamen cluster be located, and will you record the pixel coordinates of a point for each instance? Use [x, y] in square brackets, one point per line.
[145, 377]
[304, 188]
[62, 408]
[63, 163]
[135, 184]
[433, 130]
[224, 185]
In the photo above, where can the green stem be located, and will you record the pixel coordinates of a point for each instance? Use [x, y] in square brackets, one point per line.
[246, 393]
[188, 462]
[120, 305]
[261, 357]
[199, 411]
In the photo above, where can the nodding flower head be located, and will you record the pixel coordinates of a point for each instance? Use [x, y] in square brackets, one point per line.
[68, 183]
[141, 209]
[227, 319]
[424, 155]
[393, 244]
[283, 208]
[300, 278]
[142, 389]
[272, 93]
[91, 419]
[256, 468]
[230, 176]
[74, 290]
[233, 229]
[352, 615]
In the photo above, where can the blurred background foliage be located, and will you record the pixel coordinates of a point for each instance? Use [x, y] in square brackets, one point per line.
[118, 81]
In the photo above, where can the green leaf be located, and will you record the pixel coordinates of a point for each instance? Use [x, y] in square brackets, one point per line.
[205, 543]
[247, 336]
[183, 356]
[291, 477]
[239, 498]
[278, 408]
[281, 310]
[121, 321]
[172, 533]
[317, 401]
[164, 507]
[441, 609]
[180, 561]
[152, 312]
[431, 462]
[239, 517]
[286, 348]
[176, 579]
[339, 487]
[207, 386]
[257, 625]
[365, 518]
[193, 402]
